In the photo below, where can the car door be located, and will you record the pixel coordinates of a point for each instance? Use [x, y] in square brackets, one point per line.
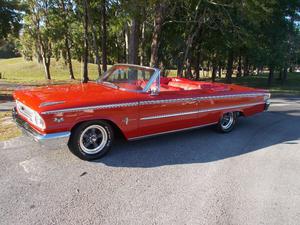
[167, 111]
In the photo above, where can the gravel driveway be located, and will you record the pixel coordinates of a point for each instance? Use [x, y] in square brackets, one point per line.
[249, 176]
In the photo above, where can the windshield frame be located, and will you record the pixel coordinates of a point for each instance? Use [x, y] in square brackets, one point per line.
[154, 76]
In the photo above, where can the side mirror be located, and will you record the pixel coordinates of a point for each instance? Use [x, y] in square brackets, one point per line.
[154, 91]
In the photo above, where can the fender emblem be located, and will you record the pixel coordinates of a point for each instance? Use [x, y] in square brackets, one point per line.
[125, 120]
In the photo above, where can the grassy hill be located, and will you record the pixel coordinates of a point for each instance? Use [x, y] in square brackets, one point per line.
[18, 70]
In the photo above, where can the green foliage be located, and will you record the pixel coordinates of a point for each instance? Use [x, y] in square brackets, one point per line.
[9, 49]
[245, 35]
[10, 18]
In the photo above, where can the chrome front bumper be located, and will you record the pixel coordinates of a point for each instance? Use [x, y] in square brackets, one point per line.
[267, 104]
[41, 138]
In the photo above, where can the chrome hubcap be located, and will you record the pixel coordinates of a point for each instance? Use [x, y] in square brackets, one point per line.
[93, 139]
[227, 120]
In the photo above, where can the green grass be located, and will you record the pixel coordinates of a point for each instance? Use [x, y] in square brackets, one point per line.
[17, 70]
[291, 85]
[8, 129]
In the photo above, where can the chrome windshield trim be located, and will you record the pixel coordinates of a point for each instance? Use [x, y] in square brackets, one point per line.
[155, 75]
[148, 102]
[199, 111]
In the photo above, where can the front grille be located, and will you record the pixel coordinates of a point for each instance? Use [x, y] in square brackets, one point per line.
[25, 111]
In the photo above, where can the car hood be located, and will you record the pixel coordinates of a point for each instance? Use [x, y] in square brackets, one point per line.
[57, 97]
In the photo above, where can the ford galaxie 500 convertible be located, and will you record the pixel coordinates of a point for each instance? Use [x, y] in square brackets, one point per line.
[133, 100]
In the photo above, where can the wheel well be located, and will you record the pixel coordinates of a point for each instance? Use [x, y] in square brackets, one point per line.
[240, 113]
[116, 129]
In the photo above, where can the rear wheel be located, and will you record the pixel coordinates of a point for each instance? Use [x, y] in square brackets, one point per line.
[91, 140]
[227, 122]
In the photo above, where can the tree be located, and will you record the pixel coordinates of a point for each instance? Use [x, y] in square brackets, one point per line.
[10, 18]
[68, 16]
[86, 41]
[104, 35]
[187, 35]
[39, 28]
[158, 22]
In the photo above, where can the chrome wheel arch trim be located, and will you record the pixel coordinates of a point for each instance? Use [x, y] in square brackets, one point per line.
[151, 102]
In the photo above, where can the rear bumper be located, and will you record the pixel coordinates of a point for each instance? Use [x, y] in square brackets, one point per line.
[41, 138]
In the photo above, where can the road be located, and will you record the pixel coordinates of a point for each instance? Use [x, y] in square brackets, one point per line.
[249, 176]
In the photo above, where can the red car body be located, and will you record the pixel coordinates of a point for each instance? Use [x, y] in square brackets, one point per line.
[181, 104]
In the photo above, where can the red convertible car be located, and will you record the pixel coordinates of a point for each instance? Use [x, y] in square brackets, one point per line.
[133, 100]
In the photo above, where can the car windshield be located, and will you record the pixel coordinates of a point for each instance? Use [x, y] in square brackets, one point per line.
[129, 77]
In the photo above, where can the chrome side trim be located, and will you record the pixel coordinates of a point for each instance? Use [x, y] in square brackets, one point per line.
[150, 102]
[230, 107]
[109, 106]
[172, 131]
[199, 111]
[169, 115]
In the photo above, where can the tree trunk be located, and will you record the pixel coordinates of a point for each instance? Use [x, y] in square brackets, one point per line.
[193, 32]
[271, 75]
[239, 67]
[158, 20]
[229, 67]
[86, 43]
[188, 72]
[126, 39]
[39, 56]
[208, 69]
[46, 63]
[69, 58]
[179, 68]
[246, 67]
[197, 66]
[284, 75]
[67, 44]
[94, 37]
[280, 74]
[133, 42]
[142, 45]
[214, 73]
[162, 69]
[220, 71]
[104, 36]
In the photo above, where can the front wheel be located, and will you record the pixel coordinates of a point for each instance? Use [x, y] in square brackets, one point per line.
[91, 140]
[227, 122]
